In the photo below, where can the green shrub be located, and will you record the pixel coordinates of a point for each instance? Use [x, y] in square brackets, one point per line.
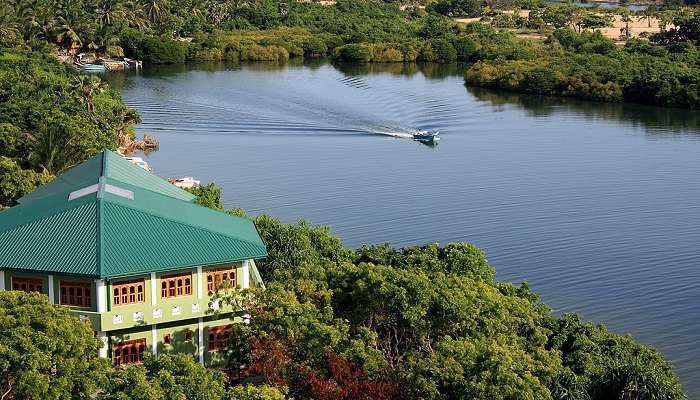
[161, 50]
[314, 47]
[257, 52]
[355, 53]
[383, 53]
[114, 52]
[444, 50]
[209, 55]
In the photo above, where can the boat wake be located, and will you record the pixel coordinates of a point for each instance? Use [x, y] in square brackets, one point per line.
[396, 134]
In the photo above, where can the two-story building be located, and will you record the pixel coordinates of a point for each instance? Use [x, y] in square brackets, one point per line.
[132, 254]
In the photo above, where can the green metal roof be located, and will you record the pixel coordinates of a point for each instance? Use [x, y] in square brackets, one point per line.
[115, 169]
[119, 228]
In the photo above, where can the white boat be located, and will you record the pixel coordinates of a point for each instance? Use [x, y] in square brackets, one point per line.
[139, 162]
[91, 67]
[187, 182]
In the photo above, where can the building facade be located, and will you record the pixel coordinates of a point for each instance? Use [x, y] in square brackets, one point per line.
[133, 255]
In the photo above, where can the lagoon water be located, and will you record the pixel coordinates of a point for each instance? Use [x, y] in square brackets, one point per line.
[597, 206]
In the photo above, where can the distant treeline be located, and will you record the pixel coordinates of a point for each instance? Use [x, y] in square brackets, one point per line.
[661, 70]
[664, 72]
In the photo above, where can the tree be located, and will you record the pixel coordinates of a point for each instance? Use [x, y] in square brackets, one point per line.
[208, 195]
[457, 8]
[50, 148]
[69, 24]
[168, 376]
[155, 10]
[15, 182]
[250, 392]
[596, 21]
[44, 352]
[626, 17]
[611, 366]
[88, 86]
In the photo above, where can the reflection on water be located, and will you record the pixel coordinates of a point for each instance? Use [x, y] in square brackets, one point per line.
[657, 120]
[596, 205]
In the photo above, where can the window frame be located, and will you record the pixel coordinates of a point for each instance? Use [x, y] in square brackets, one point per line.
[125, 294]
[85, 288]
[176, 285]
[217, 337]
[37, 282]
[131, 357]
[214, 279]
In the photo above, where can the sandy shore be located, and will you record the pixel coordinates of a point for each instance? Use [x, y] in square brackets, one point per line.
[637, 26]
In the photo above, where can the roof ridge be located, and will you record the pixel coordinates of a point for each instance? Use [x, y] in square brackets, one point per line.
[103, 164]
[198, 227]
[98, 237]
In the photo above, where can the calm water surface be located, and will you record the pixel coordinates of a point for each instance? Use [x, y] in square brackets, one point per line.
[597, 206]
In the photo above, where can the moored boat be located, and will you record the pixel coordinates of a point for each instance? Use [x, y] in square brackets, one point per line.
[139, 162]
[187, 182]
[91, 67]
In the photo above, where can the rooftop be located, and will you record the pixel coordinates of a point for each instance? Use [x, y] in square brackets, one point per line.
[108, 218]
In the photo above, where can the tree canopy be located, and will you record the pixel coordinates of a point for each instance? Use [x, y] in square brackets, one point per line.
[44, 352]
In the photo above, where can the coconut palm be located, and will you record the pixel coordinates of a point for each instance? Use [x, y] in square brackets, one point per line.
[87, 86]
[110, 11]
[49, 147]
[68, 25]
[34, 19]
[155, 9]
[9, 27]
[625, 17]
[135, 15]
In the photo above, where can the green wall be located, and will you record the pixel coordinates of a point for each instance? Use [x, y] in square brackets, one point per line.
[179, 344]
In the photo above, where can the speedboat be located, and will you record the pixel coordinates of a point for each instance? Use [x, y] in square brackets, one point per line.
[426, 136]
[187, 182]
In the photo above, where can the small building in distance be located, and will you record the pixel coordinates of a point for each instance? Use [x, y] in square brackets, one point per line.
[133, 255]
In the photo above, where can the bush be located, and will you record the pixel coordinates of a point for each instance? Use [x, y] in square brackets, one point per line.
[115, 52]
[383, 53]
[161, 50]
[355, 53]
[444, 50]
[257, 52]
[250, 392]
[314, 47]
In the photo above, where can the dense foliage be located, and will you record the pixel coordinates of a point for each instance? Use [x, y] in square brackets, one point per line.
[589, 66]
[51, 118]
[425, 322]
[44, 352]
[168, 376]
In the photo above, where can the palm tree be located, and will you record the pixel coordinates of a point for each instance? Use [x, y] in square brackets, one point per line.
[104, 37]
[34, 17]
[87, 86]
[135, 15]
[49, 147]
[625, 31]
[110, 11]
[155, 9]
[9, 27]
[68, 25]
